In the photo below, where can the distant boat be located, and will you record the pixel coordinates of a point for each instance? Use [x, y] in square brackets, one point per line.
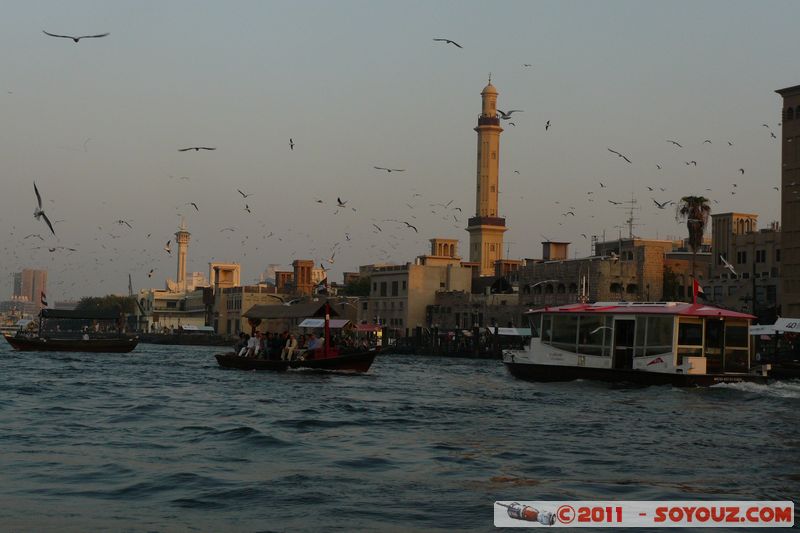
[74, 331]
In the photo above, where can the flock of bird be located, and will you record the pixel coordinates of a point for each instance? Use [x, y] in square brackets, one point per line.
[410, 213]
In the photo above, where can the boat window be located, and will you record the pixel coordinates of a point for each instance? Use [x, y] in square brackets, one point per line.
[590, 334]
[565, 331]
[736, 336]
[534, 322]
[659, 335]
[547, 328]
[640, 331]
[690, 334]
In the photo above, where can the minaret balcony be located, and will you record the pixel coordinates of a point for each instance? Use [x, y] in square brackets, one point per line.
[488, 121]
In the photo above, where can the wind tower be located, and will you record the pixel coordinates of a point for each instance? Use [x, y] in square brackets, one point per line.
[486, 228]
[182, 239]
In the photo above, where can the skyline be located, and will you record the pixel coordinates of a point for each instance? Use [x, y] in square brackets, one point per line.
[353, 93]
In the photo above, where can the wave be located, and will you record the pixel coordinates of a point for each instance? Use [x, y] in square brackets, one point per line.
[778, 389]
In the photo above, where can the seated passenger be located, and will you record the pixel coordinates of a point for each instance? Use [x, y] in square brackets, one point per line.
[288, 351]
[248, 343]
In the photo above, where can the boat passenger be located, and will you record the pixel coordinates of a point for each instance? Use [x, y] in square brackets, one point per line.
[243, 351]
[289, 349]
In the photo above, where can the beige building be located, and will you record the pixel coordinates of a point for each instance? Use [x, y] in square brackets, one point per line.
[231, 304]
[755, 255]
[486, 228]
[160, 310]
[790, 201]
[400, 294]
[224, 275]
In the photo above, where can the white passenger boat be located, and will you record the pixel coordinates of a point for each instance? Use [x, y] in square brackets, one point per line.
[676, 343]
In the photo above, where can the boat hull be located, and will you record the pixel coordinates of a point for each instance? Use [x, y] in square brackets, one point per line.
[545, 373]
[355, 362]
[123, 345]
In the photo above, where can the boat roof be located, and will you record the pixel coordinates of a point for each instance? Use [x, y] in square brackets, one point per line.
[334, 323]
[79, 315]
[644, 308]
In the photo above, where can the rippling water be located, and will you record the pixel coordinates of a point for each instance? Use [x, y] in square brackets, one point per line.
[163, 440]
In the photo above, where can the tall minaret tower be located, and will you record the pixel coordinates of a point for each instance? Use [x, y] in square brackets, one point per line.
[486, 228]
[182, 239]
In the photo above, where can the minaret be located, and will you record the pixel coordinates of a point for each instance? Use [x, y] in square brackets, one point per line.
[486, 228]
[182, 240]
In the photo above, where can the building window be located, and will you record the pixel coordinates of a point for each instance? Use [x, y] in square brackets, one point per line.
[365, 306]
[732, 290]
[745, 275]
[374, 286]
[761, 256]
[789, 114]
[395, 285]
[383, 288]
[741, 257]
[400, 304]
[404, 285]
[632, 289]
[778, 255]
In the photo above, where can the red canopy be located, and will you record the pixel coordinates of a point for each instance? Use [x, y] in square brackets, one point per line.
[645, 308]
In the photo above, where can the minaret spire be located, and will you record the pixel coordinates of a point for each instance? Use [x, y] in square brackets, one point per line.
[486, 228]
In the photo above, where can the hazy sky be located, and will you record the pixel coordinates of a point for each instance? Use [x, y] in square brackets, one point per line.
[98, 124]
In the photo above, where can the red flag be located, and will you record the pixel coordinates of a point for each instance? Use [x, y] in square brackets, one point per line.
[697, 290]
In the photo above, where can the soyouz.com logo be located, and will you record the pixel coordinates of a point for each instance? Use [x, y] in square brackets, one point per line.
[722, 513]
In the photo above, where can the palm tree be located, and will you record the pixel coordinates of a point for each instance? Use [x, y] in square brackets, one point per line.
[695, 211]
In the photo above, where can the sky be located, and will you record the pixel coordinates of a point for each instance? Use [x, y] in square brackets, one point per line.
[357, 84]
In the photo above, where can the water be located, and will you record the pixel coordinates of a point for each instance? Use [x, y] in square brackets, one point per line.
[163, 440]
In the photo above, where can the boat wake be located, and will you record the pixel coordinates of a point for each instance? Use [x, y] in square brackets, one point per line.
[778, 389]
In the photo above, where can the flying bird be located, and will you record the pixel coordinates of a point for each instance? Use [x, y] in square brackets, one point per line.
[516, 172]
[150, 274]
[196, 148]
[512, 124]
[527, 65]
[660, 205]
[121, 222]
[340, 203]
[547, 126]
[619, 154]
[658, 166]
[168, 248]
[507, 116]
[411, 226]
[707, 141]
[291, 144]
[741, 170]
[247, 208]
[33, 235]
[243, 194]
[38, 213]
[390, 169]
[377, 227]
[448, 41]
[676, 143]
[193, 205]
[728, 265]
[76, 39]
[691, 163]
[602, 186]
[615, 203]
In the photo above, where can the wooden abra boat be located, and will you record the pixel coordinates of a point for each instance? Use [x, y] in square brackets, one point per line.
[342, 362]
[663, 343]
[74, 331]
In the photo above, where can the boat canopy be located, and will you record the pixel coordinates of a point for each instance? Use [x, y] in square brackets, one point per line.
[335, 323]
[644, 308]
[515, 332]
[79, 315]
[203, 329]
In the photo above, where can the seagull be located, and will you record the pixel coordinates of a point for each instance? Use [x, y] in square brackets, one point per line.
[707, 141]
[291, 144]
[619, 154]
[226, 229]
[728, 265]
[243, 194]
[247, 208]
[168, 248]
[340, 203]
[527, 65]
[547, 126]
[691, 163]
[660, 206]
[411, 226]
[516, 172]
[390, 169]
[730, 143]
[776, 188]
[448, 41]
[658, 166]
[512, 124]
[196, 148]
[741, 170]
[76, 39]
[676, 143]
[121, 222]
[584, 236]
[771, 134]
[330, 259]
[38, 212]
[615, 203]
[150, 274]
[378, 227]
[602, 186]
[33, 235]
[193, 205]
[507, 116]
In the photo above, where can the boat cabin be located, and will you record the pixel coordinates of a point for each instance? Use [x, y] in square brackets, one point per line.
[661, 336]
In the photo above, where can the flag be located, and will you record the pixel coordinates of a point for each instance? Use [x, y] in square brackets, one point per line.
[697, 290]
[321, 287]
[44, 299]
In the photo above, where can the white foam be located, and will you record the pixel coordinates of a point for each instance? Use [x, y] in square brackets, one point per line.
[778, 389]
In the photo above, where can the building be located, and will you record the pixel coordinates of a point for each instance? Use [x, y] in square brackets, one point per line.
[752, 283]
[486, 228]
[164, 310]
[790, 202]
[231, 304]
[224, 275]
[400, 294]
[29, 286]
